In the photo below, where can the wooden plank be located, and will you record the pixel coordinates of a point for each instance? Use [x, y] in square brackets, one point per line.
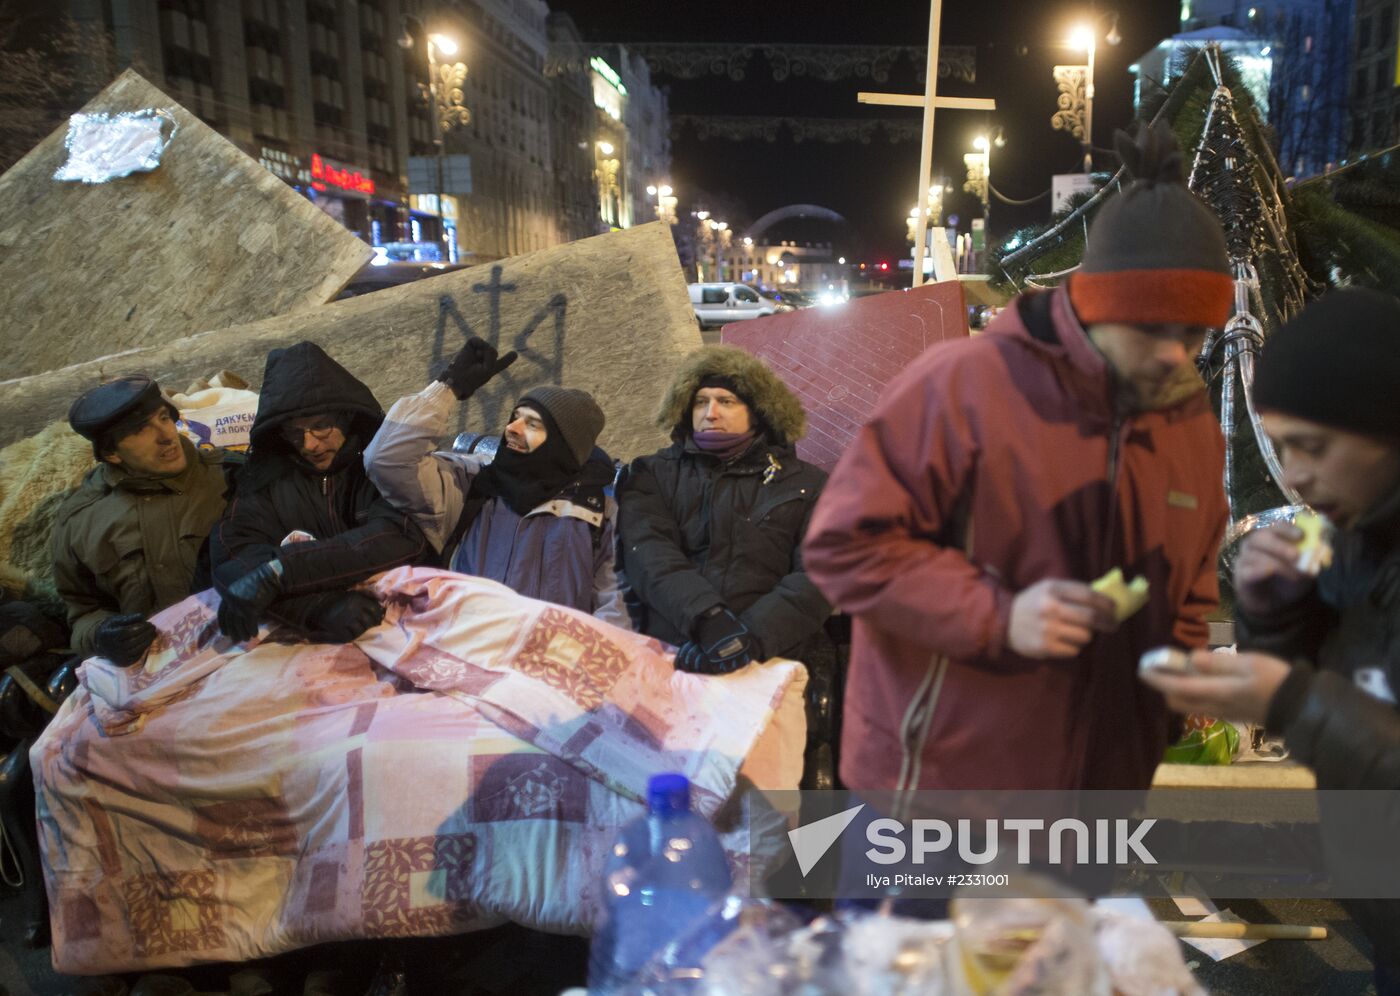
[977, 289]
[917, 100]
[1251, 775]
[610, 314]
[207, 240]
[838, 359]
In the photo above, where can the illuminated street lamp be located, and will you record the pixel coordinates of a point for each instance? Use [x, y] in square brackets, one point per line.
[1083, 36]
[446, 101]
[711, 231]
[665, 203]
[933, 207]
[979, 175]
[722, 235]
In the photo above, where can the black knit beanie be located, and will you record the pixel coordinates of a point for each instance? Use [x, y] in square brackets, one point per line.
[727, 384]
[1155, 253]
[1337, 362]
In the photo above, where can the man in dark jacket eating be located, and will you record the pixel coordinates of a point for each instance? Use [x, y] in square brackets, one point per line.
[1320, 655]
[305, 476]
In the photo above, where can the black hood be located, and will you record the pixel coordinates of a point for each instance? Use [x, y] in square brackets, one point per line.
[300, 381]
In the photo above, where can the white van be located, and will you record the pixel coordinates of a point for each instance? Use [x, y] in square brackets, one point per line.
[717, 304]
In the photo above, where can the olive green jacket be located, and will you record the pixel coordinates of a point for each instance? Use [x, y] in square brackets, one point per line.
[130, 544]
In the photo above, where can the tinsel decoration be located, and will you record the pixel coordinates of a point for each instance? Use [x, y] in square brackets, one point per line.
[1222, 176]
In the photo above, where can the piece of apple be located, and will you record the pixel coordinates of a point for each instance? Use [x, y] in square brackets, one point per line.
[1315, 548]
[1127, 598]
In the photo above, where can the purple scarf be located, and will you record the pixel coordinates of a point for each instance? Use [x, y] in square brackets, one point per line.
[725, 445]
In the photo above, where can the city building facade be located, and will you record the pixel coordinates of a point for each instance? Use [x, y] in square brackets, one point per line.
[331, 95]
[632, 150]
[811, 267]
[1295, 57]
[1375, 78]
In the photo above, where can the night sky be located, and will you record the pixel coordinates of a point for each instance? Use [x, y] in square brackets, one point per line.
[873, 186]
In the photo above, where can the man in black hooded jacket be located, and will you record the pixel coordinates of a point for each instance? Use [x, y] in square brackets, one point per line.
[306, 475]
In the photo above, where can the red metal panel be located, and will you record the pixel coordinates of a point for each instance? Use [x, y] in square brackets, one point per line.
[839, 359]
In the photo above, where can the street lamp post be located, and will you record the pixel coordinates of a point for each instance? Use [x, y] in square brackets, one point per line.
[1086, 36]
[983, 185]
[665, 203]
[721, 236]
[932, 215]
[446, 102]
[705, 234]
[446, 97]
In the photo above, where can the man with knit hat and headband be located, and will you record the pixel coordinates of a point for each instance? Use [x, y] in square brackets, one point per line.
[536, 518]
[1320, 649]
[999, 478]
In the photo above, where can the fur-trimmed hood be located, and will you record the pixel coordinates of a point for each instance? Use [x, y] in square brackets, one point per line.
[775, 404]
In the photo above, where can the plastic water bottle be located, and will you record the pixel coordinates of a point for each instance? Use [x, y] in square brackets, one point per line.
[665, 870]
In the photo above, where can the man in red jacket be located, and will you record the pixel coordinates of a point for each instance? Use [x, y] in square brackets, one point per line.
[998, 477]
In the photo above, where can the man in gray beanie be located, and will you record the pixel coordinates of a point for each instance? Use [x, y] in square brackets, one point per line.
[1320, 660]
[536, 517]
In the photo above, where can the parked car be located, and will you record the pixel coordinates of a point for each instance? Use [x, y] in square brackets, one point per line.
[377, 276]
[720, 303]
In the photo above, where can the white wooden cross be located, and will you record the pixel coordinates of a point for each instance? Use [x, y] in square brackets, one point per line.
[929, 100]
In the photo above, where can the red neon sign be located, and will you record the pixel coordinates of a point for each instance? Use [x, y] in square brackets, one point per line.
[323, 173]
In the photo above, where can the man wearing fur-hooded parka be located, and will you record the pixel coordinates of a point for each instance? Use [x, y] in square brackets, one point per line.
[711, 526]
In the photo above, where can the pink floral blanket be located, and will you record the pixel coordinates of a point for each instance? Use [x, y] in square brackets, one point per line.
[465, 763]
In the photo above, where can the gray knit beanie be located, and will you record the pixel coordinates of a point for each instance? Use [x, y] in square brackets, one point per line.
[1156, 252]
[577, 415]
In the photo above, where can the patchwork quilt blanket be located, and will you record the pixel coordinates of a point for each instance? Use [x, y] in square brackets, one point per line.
[465, 763]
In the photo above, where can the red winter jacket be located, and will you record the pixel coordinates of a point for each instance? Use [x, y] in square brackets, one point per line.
[990, 464]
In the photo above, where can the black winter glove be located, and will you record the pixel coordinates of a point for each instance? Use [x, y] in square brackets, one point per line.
[123, 639]
[722, 644]
[245, 601]
[345, 617]
[474, 364]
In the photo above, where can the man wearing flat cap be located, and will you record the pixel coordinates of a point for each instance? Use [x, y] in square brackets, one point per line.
[127, 541]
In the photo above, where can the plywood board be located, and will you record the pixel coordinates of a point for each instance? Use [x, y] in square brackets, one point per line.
[207, 240]
[838, 359]
[609, 314]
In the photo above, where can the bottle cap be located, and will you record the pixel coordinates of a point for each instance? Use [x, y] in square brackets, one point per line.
[668, 793]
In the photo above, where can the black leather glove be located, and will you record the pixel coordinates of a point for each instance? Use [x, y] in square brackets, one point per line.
[123, 639]
[474, 364]
[346, 616]
[244, 603]
[722, 644]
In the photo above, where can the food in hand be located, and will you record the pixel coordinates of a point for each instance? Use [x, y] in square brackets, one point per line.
[1315, 548]
[1168, 659]
[1127, 598]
